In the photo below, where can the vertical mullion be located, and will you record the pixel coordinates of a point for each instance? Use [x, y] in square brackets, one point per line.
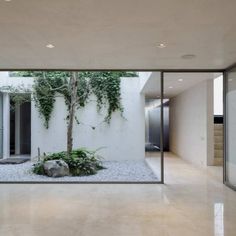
[162, 129]
[225, 124]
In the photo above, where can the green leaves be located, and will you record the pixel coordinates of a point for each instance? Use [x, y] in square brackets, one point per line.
[81, 162]
[105, 85]
[44, 98]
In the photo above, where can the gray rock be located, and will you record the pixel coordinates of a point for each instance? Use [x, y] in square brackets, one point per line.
[56, 168]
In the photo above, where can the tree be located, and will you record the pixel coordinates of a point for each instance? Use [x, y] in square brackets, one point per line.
[76, 88]
[71, 116]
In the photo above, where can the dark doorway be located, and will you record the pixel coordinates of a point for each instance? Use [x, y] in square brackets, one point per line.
[153, 125]
[20, 128]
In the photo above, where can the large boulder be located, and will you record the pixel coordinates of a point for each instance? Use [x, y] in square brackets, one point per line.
[56, 168]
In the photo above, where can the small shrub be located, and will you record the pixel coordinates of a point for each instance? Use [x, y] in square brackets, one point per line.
[81, 162]
[38, 168]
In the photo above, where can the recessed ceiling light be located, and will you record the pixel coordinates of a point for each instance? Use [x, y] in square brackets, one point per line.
[170, 87]
[50, 46]
[188, 56]
[7, 0]
[161, 45]
[180, 80]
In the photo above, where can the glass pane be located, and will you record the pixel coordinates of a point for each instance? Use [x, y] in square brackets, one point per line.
[1, 126]
[189, 119]
[231, 127]
[152, 94]
[87, 126]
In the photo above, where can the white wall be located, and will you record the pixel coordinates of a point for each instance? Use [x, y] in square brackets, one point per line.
[123, 139]
[191, 124]
[144, 77]
[25, 82]
[218, 95]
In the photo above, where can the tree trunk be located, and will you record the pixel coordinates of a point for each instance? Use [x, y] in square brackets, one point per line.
[73, 85]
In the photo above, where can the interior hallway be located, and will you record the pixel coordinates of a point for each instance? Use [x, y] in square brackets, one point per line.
[172, 162]
[192, 202]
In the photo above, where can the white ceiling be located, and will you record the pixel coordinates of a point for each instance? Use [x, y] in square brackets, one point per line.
[111, 34]
[172, 85]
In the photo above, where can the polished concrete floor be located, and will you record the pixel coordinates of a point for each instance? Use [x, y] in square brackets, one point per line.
[192, 202]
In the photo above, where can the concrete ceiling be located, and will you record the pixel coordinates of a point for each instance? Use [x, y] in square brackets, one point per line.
[111, 34]
[174, 83]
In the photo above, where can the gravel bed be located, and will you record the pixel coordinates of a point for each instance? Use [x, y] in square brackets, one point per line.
[115, 171]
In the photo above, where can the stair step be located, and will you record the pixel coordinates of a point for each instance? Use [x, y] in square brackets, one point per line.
[218, 161]
[218, 139]
[219, 146]
[218, 133]
[218, 126]
[218, 153]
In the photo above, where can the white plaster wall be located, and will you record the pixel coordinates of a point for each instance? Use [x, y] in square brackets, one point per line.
[144, 77]
[122, 139]
[218, 95]
[6, 81]
[191, 124]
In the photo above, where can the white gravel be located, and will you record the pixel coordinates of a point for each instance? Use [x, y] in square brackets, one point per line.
[134, 171]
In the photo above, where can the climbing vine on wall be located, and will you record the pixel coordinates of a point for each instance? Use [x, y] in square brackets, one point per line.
[105, 85]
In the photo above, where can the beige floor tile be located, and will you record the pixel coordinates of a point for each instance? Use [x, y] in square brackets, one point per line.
[192, 202]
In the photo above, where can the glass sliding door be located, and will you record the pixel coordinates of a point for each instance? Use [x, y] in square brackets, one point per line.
[152, 92]
[1, 126]
[230, 128]
[113, 133]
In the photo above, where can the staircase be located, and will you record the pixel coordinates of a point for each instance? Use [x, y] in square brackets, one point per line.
[218, 144]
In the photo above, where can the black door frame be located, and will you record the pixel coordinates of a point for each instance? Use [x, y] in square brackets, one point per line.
[162, 78]
[1, 125]
[225, 90]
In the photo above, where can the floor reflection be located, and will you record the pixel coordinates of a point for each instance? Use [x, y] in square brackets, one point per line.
[219, 219]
